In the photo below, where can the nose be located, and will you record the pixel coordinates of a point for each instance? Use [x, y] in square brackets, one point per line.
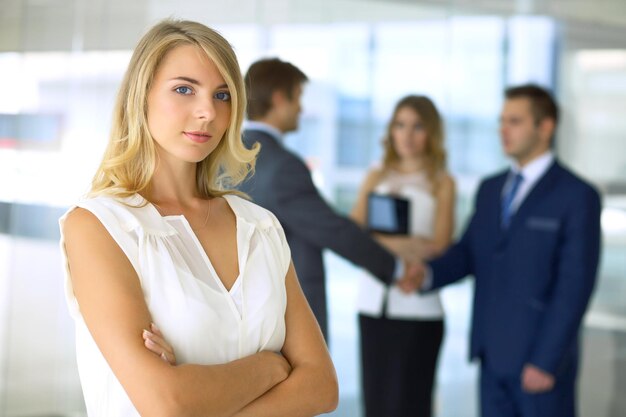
[205, 109]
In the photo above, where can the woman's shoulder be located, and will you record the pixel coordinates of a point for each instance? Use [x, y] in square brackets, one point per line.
[122, 207]
[121, 213]
[250, 211]
[445, 185]
[445, 179]
[376, 172]
[375, 175]
[78, 219]
[88, 207]
[112, 202]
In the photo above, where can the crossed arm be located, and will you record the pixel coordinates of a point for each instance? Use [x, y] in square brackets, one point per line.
[273, 402]
[301, 382]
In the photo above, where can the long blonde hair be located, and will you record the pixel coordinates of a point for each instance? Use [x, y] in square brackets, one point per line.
[130, 158]
[435, 154]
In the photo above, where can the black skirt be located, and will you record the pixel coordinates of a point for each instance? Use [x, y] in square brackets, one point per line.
[398, 365]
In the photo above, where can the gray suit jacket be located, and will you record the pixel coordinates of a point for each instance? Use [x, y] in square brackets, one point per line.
[282, 184]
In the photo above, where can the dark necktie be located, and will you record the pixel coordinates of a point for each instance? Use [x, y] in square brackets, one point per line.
[507, 200]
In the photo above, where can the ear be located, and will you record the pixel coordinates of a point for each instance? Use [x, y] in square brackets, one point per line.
[546, 128]
[278, 98]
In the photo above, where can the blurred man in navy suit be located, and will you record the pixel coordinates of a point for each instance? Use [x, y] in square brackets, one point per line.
[532, 244]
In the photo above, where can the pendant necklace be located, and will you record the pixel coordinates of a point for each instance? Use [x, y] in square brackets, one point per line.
[206, 220]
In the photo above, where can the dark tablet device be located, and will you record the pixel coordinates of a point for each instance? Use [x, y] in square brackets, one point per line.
[387, 214]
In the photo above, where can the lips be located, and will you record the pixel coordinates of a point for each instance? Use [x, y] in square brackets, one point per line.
[198, 137]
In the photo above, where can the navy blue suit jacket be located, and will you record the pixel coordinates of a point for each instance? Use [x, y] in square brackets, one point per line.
[533, 280]
[282, 184]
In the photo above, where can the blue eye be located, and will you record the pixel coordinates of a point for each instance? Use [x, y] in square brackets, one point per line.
[223, 96]
[183, 90]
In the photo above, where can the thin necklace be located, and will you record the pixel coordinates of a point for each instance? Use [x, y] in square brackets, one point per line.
[206, 220]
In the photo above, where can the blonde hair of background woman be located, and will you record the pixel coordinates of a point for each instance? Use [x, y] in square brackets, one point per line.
[435, 154]
[130, 158]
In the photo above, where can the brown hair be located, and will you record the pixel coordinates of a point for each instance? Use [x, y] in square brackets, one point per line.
[541, 101]
[435, 161]
[266, 76]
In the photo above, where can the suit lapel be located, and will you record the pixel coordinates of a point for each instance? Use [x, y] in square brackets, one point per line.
[495, 204]
[536, 194]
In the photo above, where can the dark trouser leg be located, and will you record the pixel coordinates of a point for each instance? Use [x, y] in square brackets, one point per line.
[399, 360]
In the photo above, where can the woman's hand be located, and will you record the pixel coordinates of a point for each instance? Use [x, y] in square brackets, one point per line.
[413, 278]
[155, 342]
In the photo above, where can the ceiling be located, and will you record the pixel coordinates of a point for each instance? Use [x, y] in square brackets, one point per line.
[41, 25]
[602, 12]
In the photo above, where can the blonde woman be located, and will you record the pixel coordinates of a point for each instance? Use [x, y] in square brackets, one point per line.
[406, 329]
[162, 250]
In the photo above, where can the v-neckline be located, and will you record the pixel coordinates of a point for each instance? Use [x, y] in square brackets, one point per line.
[241, 241]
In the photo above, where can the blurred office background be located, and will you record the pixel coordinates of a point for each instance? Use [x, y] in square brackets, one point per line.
[62, 60]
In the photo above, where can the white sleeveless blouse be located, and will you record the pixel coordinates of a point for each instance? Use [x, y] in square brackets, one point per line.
[372, 293]
[205, 323]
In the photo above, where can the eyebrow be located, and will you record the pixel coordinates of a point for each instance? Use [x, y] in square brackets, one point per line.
[194, 81]
[189, 80]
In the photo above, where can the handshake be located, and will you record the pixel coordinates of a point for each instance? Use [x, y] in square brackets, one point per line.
[412, 250]
[413, 278]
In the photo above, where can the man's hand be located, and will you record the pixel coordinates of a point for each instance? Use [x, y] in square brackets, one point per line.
[413, 277]
[535, 380]
[410, 248]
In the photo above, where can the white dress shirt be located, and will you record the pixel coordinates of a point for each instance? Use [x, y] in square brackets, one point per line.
[263, 127]
[531, 174]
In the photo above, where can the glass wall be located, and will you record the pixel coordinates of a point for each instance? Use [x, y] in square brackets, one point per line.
[53, 125]
[594, 143]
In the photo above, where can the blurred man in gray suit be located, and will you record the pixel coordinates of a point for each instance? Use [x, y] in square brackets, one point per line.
[282, 183]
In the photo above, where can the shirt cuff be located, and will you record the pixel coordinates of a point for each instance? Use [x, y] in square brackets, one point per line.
[427, 284]
[399, 271]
